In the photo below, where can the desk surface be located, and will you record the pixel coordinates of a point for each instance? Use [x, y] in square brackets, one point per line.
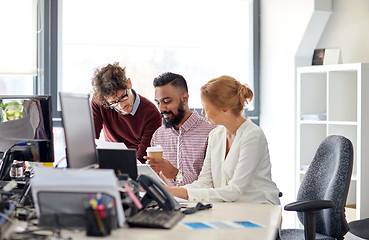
[268, 216]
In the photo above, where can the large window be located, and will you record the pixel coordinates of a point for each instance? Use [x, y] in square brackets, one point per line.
[199, 39]
[49, 46]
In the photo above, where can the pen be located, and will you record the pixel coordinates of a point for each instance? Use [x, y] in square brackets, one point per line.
[93, 203]
[99, 222]
[133, 196]
[99, 198]
[101, 209]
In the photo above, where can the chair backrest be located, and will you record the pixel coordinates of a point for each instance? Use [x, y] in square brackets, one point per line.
[328, 178]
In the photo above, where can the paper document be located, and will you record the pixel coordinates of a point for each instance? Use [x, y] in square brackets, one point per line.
[314, 117]
[101, 144]
[221, 224]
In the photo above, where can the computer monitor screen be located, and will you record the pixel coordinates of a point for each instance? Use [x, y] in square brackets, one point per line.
[26, 127]
[78, 130]
[122, 161]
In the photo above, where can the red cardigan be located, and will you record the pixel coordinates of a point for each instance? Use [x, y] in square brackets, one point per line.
[134, 131]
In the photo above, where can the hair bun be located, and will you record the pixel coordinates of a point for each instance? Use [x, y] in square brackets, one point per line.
[245, 93]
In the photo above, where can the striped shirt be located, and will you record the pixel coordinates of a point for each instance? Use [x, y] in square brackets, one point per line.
[185, 148]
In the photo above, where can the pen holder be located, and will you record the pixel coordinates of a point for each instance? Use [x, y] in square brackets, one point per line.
[99, 222]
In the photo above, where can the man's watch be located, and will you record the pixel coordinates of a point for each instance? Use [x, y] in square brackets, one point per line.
[179, 177]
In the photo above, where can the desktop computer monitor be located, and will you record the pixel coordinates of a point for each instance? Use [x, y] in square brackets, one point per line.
[26, 127]
[79, 130]
[26, 130]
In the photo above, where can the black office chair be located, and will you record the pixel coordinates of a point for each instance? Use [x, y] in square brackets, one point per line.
[360, 228]
[324, 186]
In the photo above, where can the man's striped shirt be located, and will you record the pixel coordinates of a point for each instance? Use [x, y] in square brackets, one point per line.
[185, 148]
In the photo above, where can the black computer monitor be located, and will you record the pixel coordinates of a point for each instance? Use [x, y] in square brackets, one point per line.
[26, 127]
[26, 130]
[78, 129]
[122, 161]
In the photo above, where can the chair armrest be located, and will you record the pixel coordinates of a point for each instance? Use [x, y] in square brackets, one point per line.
[309, 205]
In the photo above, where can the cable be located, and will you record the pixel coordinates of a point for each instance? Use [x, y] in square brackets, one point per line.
[94, 165]
[7, 160]
[60, 160]
[5, 166]
[199, 206]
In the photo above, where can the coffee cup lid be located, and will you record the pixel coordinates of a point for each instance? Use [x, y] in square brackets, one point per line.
[157, 148]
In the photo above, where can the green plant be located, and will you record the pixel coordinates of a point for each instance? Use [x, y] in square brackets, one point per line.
[11, 110]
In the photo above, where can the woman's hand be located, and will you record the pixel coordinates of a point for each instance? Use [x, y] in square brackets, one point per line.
[167, 183]
[175, 191]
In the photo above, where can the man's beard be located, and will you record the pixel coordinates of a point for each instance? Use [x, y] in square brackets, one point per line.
[175, 119]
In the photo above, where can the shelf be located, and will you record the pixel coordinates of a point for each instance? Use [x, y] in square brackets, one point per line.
[346, 123]
[350, 67]
[312, 122]
[333, 100]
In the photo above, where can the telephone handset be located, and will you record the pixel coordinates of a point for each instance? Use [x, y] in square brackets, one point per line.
[157, 192]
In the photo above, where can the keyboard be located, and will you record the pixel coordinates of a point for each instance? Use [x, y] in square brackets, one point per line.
[155, 218]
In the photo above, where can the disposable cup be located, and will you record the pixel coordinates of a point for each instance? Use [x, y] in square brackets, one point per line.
[155, 152]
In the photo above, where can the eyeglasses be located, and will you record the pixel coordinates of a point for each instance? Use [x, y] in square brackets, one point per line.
[122, 98]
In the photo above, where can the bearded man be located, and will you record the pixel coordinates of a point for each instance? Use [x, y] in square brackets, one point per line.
[183, 135]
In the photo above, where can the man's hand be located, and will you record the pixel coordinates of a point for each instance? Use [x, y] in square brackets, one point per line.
[161, 164]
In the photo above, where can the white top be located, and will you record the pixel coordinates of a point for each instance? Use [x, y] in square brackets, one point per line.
[244, 175]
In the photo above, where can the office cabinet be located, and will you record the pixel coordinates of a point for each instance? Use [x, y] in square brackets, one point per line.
[334, 100]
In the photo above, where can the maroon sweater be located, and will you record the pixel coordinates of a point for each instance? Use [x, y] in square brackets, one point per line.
[134, 131]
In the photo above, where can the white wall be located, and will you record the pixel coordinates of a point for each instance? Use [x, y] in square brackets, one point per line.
[283, 24]
[348, 30]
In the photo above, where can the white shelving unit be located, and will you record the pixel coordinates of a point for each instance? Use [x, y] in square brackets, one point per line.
[334, 99]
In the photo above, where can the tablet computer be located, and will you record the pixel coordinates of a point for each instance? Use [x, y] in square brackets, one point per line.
[147, 170]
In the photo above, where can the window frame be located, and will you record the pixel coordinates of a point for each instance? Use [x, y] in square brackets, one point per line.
[48, 58]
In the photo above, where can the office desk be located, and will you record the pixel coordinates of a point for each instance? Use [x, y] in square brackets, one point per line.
[269, 216]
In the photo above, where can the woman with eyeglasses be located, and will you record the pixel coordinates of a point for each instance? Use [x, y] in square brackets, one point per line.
[237, 165]
[122, 114]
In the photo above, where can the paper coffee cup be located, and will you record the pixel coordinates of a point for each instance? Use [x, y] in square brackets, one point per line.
[155, 152]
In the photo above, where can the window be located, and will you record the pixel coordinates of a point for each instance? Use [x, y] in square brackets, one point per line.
[53, 46]
[18, 46]
[199, 39]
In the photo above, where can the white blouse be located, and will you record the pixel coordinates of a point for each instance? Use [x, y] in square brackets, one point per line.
[244, 175]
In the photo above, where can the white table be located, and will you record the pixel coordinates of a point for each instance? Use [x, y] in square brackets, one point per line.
[268, 216]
